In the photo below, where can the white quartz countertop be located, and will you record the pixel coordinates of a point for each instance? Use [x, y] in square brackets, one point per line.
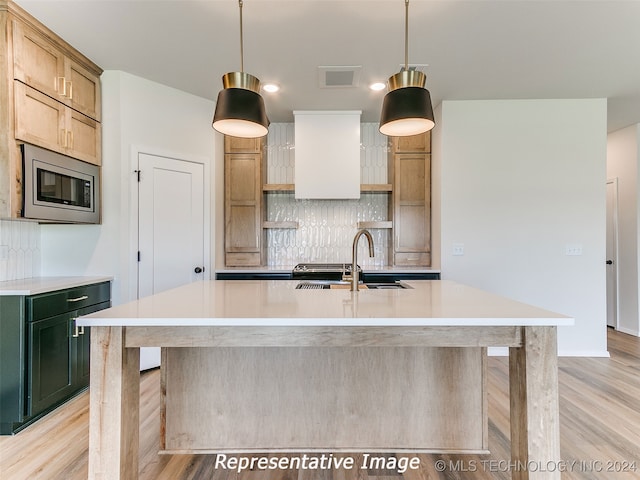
[36, 285]
[278, 303]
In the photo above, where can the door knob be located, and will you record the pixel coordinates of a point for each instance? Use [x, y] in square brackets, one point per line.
[609, 262]
[198, 269]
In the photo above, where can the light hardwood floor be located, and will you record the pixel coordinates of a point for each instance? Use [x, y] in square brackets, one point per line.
[599, 413]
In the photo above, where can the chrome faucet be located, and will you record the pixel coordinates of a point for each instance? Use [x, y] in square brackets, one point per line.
[355, 276]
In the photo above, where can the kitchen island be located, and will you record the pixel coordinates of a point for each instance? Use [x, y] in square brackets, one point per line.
[258, 366]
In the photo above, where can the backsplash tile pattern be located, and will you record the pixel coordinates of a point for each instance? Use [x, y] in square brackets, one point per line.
[325, 227]
[19, 249]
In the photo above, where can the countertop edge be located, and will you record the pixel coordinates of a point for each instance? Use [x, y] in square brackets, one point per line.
[37, 285]
[324, 322]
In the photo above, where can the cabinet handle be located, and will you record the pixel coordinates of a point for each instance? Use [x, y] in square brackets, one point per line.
[70, 89]
[64, 86]
[63, 135]
[77, 299]
[77, 331]
[70, 138]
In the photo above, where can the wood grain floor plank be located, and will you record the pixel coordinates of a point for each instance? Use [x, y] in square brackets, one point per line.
[599, 422]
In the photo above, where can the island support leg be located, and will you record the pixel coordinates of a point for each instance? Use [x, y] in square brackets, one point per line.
[535, 423]
[114, 406]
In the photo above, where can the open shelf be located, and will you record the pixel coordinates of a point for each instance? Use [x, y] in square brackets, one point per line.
[376, 187]
[379, 224]
[278, 187]
[280, 224]
[290, 187]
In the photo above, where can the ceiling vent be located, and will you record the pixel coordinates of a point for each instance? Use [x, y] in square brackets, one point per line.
[339, 77]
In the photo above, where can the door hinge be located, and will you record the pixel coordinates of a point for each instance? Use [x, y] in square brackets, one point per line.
[138, 255]
[138, 172]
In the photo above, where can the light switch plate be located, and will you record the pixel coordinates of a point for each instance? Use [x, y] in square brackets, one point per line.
[573, 249]
[458, 249]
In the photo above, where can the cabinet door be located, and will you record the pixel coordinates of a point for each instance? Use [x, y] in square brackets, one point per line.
[49, 366]
[83, 89]
[242, 145]
[81, 361]
[37, 62]
[83, 355]
[412, 209]
[83, 137]
[39, 119]
[243, 217]
[413, 143]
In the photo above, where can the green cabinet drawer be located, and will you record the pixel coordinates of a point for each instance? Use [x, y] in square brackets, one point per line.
[54, 303]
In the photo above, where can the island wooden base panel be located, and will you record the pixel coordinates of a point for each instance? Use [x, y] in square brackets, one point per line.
[599, 422]
[114, 445]
[343, 398]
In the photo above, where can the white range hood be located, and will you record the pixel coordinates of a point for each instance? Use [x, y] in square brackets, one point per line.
[327, 154]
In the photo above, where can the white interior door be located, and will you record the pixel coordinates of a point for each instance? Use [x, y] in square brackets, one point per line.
[171, 240]
[612, 253]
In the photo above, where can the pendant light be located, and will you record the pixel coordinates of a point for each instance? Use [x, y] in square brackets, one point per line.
[406, 109]
[240, 109]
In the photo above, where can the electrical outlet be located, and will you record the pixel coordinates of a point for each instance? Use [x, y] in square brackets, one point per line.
[458, 249]
[4, 252]
[573, 249]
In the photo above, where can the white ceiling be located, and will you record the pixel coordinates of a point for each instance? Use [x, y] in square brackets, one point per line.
[474, 49]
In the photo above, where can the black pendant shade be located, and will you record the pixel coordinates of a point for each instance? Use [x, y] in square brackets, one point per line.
[406, 111]
[240, 109]
[240, 113]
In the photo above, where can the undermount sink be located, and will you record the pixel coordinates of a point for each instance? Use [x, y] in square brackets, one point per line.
[329, 284]
[387, 286]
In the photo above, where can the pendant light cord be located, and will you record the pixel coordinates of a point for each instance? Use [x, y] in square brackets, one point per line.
[406, 35]
[241, 42]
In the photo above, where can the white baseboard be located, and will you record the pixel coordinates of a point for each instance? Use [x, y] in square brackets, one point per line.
[628, 331]
[498, 351]
[504, 352]
[584, 353]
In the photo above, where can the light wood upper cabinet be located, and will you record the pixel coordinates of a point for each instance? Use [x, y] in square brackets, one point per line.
[411, 144]
[49, 96]
[243, 145]
[36, 61]
[40, 120]
[39, 63]
[84, 137]
[83, 90]
[43, 121]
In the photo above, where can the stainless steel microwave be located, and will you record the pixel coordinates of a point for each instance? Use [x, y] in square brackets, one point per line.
[58, 188]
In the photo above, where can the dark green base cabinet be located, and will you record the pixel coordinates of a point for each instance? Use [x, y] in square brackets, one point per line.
[44, 356]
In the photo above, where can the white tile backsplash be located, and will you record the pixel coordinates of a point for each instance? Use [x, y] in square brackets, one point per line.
[19, 249]
[325, 227]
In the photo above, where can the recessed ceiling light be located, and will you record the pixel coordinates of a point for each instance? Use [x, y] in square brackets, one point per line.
[376, 87]
[270, 87]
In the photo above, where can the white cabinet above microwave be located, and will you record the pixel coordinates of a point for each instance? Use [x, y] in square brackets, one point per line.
[327, 154]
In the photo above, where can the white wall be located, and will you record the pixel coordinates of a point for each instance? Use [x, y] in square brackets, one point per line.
[137, 114]
[519, 181]
[623, 156]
